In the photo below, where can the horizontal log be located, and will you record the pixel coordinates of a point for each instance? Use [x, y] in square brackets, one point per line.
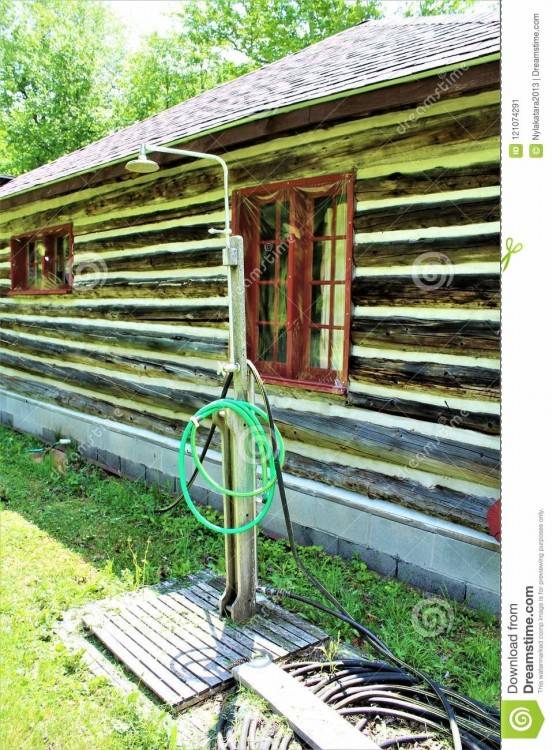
[109, 383]
[396, 445]
[200, 314]
[94, 405]
[120, 360]
[488, 424]
[152, 212]
[471, 249]
[420, 215]
[467, 337]
[452, 289]
[173, 258]
[114, 285]
[454, 380]
[146, 236]
[439, 501]
[435, 180]
[178, 341]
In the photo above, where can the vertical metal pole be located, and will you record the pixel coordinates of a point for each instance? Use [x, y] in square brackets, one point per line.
[238, 599]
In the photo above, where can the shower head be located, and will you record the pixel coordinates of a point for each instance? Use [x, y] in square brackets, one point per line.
[142, 164]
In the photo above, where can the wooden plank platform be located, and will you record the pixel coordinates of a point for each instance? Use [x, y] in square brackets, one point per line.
[172, 638]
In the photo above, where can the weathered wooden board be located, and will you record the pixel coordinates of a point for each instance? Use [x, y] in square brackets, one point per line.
[475, 249]
[173, 639]
[457, 290]
[170, 338]
[314, 721]
[438, 501]
[438, 214]
[454, 380]
[488, 424]
[434, 180]
[471, 337]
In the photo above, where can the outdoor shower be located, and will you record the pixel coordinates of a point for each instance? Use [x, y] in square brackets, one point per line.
[237, 420]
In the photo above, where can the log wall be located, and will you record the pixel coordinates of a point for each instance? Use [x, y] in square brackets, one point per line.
[141, 336]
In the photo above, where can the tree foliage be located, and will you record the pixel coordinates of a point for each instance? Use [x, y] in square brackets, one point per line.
[261, 31]
[59, 62]
[164, 71]
[65, 80]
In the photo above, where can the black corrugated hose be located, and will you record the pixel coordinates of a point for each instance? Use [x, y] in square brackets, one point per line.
[395, 691]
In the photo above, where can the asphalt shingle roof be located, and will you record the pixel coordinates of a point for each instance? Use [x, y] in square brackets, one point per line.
[370, 53]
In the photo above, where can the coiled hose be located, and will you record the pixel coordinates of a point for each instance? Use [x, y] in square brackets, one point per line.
[253, 417]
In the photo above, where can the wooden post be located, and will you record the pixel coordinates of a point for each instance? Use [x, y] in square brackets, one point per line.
[238, 599]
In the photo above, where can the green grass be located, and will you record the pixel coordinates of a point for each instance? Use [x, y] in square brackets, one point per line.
[69, 539]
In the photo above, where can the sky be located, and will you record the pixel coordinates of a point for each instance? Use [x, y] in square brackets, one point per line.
[141, 17]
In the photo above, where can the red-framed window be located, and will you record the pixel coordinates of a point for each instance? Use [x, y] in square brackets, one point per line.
[41, 261]
[298, 239]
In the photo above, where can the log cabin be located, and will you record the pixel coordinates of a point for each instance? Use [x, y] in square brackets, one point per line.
[365, 181]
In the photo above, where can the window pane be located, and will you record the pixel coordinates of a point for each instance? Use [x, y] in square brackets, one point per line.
[340, 259]
[320, 311]
[284, 220]
[319, 346]
[266, 343]
[283, 256]
[337, 350]
[339, 305]
[282, 303]
[341, 215]
[266, 302]
[36, 251]
[62, 253]
[281, 344]
[267, 256]
[322, 260]
[322, 219]
[268, 221]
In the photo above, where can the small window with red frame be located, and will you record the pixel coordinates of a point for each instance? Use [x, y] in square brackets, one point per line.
[41, 261]
[298, 263]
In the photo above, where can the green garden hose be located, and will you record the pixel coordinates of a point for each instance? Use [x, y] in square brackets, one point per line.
[254, 420]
